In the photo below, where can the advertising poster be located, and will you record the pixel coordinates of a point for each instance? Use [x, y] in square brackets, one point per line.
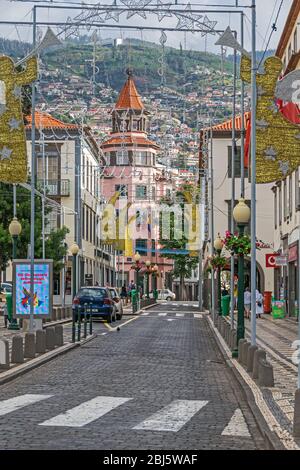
[42, 297]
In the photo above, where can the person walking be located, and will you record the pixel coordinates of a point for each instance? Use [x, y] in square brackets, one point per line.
[259, 304]
[247, 302]
[123, 294]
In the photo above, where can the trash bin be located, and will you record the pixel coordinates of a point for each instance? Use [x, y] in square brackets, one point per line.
[134, 300]
[267, 302]
[9, 306]
[225, 304]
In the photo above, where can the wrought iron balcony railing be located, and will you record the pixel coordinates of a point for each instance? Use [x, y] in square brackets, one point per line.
[56, 187]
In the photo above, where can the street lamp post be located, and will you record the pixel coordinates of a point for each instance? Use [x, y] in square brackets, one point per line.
[14, 229]
[137, 268]
[155, 274]
[74, 249]
[241, 215]
[148, 267]
[218, 245]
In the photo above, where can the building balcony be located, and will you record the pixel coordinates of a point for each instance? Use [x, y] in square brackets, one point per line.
[56, 187]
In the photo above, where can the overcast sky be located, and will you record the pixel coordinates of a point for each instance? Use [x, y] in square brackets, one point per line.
[266, 13]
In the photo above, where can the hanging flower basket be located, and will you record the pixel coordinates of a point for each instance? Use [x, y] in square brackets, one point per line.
[218, 262]
[240, 245]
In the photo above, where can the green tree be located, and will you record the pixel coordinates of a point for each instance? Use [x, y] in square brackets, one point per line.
[184, 263]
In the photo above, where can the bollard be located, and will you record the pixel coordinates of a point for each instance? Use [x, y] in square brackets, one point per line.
[259, 353]
[17, 354]
[245, 348]
[250, 358]
[240, 350]
[50, 338]
[53, 314]
[231, 338]
[296, 428]
[79, 324]
[58, 313]
[59, 335]
[85, 321]
[40, 342]
[73, 325]
[29, 348]
[265, 373]
[4, 354]
[91, 320]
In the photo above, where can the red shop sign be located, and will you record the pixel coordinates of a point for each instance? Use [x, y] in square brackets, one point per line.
[275, 260]
[293, 253]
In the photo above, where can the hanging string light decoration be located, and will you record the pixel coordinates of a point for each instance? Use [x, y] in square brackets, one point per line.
[13, 154]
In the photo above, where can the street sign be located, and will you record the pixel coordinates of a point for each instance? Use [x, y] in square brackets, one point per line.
[275, 260]
[43, 288]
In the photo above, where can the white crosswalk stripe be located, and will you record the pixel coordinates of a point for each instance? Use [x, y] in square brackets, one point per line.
[145, 313]
[172, 417]
[237, 426]
[198, 315]
[179, 314]
[13, 404]
[86, 412]
[163, 314]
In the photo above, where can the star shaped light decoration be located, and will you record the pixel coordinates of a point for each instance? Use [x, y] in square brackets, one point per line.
[14, 124]
[270, 154]
[5, 153]
[17, 91]
[207, 26]
[162, 14]
[187, 20]
[284, 167]
[132, 4]
[114, 14]
[163, 38]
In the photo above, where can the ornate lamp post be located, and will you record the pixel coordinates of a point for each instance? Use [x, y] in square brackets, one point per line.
[148, 271]
[218, 245]
[137, 267]
[155, 274]
[14, 229]
[241, 215]
[74, 249]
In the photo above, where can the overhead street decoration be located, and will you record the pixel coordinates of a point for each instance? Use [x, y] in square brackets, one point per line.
[13, 155]
[277, 139]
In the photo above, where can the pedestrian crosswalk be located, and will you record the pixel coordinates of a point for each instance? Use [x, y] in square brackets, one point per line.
[171, 313]
[168, 418]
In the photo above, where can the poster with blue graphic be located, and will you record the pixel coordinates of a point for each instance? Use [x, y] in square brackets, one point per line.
[42, 295]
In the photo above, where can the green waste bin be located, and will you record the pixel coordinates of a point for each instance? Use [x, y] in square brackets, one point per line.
[134, 300]
[9, 306]
[225, 305]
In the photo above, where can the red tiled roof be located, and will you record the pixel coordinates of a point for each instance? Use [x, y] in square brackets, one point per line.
[227, 125]
[129, 97]
[46, 121]
[130, 140]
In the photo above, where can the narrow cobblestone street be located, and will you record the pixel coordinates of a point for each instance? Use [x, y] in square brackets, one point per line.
[158, 383]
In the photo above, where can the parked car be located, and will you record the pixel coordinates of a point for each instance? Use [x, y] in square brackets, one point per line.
[6, 286]
[98, 299]
[164, 294]
[117, 299]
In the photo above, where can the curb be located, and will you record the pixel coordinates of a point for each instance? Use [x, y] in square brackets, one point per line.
[272, 440]
[40, 360]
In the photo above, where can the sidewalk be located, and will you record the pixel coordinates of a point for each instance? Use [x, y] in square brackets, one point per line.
[276, 338]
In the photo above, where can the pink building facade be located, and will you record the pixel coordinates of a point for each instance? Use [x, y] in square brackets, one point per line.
[132, 171]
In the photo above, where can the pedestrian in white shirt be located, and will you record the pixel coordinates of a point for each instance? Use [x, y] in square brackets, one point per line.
[259, 304]
[247, 302]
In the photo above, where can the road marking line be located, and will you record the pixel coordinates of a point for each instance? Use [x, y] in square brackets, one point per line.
[198, 315]
[179, 314]
[237, 426]
[162, 314]
[185, 305]
[86, 412]
[173, 416]
[13, 404]
[145, 313]
[171, 319]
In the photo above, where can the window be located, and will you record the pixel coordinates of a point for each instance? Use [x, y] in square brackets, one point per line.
[91, 226]
[295, 41]
[152, 247]
[87, 223]
[275, 207]
[280, 205]
[122, 189]
[51, 221]
[83, 221]
[290, 52]
[122, 157]
[284, 199]
[141, 158]
[141, 246]
[153, 193]
[107, 158]
[290, 195]
[141, 192]
[237, 163]
[297, 190]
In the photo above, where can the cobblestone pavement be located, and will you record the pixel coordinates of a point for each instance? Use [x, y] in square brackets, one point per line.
[276, 337]
[160, 382]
